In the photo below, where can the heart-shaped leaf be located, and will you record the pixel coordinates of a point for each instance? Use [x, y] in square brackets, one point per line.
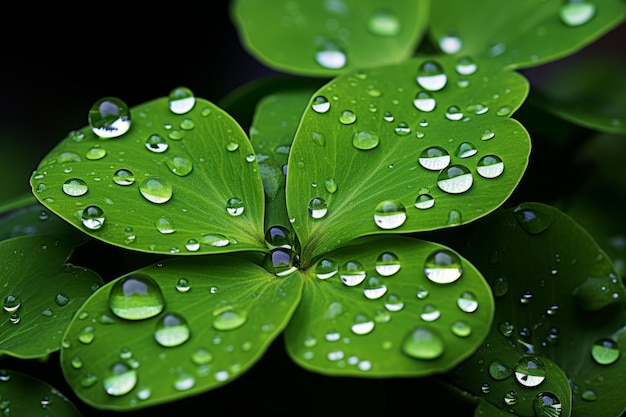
[160, 178]
[41, 294]
[327, 38]
[418, 146]
[557, 296]
[521, 34]
[174, 329]
[23, 395]
[389, 306]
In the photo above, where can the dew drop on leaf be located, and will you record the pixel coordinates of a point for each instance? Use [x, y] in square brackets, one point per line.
[434, 158]
[424, 201]
[109, 117]
[181, 100]
[179, 165]
[430, 313]
[234, 206]
[352, 273]
[450, 44]
[172, 330]
[454, 113]
[136, 297]
[490, 166]
[467, 302]
[330, 56]
[532, 219]
[431, 76]
[576, 12]
[443, 266]
[229, 319]
[123, 177]
[280, 261]
[121, 381]
[387, 264]
[455, 179]
[317, 207]
[326, 268]
[95, 152]
[605, 351]
[424, 101]
[320, 104]
[423, 343]
[362, 325]
[461, 328]
[92, 217]
[547, 404]
[156, 143]
[75, 187]
[365, 140]
[465, 150]
[347, 117]
[384, 23]
[374, 289]
[11, 303]
[466, 66]
[389, 214]
[530, 371]
[499, 371]
[156, 190]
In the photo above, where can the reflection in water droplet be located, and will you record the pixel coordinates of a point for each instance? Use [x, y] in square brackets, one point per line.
[156, 143]
[122, 380]
[387, 264]
[347, 117]
[234, 206]
[530, 371]
[215, 240]
[172, 330]
[280, 261]
[373, 290]
[577, 12]
[320, 104]
[156, 190]
[182, 285]
[434, 158]
[424, 201]
[393, 303]
[384, 23]
[75, 187]
[330, 185]
[352, 273]
[362, 325]
[165, 225]
[12, 303]
[487, 134]
[365, 140]
[510, 398]
[179, 165]
[547, 404]
[455, 179]
[279, 237]
[431, 76]
[533, 219]
[430, 313]
[326, 268]
[424, 101]
[490, 166]
[123, 177]
[467, 302]
[181, 100]
[136, 297]
[605, 351]
[192, 245]
[500, 286]
[443, 266]
[389, 214]
[465, 150]
[423, 343]
[109, 117]
[466, 66]
[454, 113]
[402, 129]
[317, 207]
[330, 56]
[92, 217]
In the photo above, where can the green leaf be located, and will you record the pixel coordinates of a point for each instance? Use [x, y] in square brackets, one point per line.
[41, 294]
[389, 306]
[557, 296]
[24, 395]
[362, 137]
[175, 329]
[327, 38]
[521, 34]
[203, 155]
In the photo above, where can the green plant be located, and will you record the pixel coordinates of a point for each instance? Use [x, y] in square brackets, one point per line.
[372, 212]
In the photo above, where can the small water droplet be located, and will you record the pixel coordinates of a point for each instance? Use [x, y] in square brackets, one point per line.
[318, 138]
[500, 286]
[424, 201]
[402, 129]
[499, 371]
[75, 187]
[156, 143]
[503, 111]
[434, 158]
[365, 140]
[136, 297]
[318, 207]
[490, 166]
[326, 268]
[443, 266]
[179, 165]
[331, 56]
[465, 150]
[362, 325]
[156, 190]
[330, 185]
[320, 104]
[172, 330]
[393, 303]
[92, 217]
[461, 328]
[454, 113]
[232, 146]
[431, 76]
[347, 117]
[165, 225]
[279, 237]
[487, 134]
[384, 23]
[530, 371]
[430, 313]
[455, 179]
[95, 152]
[192, 245]
[387, 264]
[109, 117]
[183, 285]
[215, 240]
[423, 343]
[352, 273]
[605, 351]
[229, 318]
[450, 44]
[547, 404]
[389, 214]
[61, 299]
[181, 100]
[577, 12]
[467, 302]
[234, 206]
[424, 101]
[388, 117]
[12, 303]
[374, 289]
[122, 380]
[123, 177]
[466, 66]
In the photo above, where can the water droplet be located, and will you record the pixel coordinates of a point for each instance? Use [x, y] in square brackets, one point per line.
[465, 150]
[384, 23]
[156, 143]
[499, 371]
[510, 398]
[232, 146]
[201, 356]
[352, 273]
[577, 12]
[402, 129]
[61, 299]
[424, 201]
[503, 111]
[165, 225]
[533, 219]
[477, 108]
[461, 329]
[122, 380]
[347, 117]
[454, 113]
[546, 404]
[455, 179]
[430, 313]
[388, 117]
[92, 217]
[326, 268]
[387, 264]
[589, 395]
[234, 206]
[467, 302]
[500, 286]
[215, 240]
[318, 207]
[280, 261]
[362, 325]
[431, 76]
[330, 185]
[318, 138]
[96, 152]
[123, 177]
[443, 266]
[179, 165]
[172, 330]
[181, 100]
[279, 237]
[184, 382]
[389, 214]
[490, 166]
[466, 66]
[192, 245]
[373, 290]
[424, 101]
[182, 285]
[12, 303]
[450, 44]
[187, 124]
[75, 187]
[320, 104]
[487, 134]
[423, 343]
[530, 371]
[393, 303]
[109, 117]
[330, 56]
[156, 190]
[605, 351]
[136, 297]
[365, 140]
[229, 318]
[434, 158]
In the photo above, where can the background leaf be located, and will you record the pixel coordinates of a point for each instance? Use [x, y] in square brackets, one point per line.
[41, 294]
[220, 312]
[521, 34]
[327, 38]
[371, 310]
[203, 155]
[362, 136]
[557, 296]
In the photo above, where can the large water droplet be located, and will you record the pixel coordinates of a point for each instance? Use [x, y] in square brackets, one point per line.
[431, 76]
[109, 117]
[423, 343]
[172, 330]
[490, 166]
[92, 217]
[389, 214]
[330, 56]
[467, 302]
[181, 100]
[318, 207]
[156, 190]
[156, 143]
[530, 371]
[229, 318]
[577, 12]
[123, 177]
[279, 237]
[75, 187]
[443, 266]
[365, 140]
[387, 264]
[384, 23]
[605, 351]
[352, 273]
[280, 261]
[546, 404]
[533, 219]
[136, 297]
[326, 268]
[455, 179]
[122, 380]
[434, 158]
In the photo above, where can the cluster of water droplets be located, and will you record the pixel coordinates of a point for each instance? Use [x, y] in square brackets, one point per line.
[12, 305]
